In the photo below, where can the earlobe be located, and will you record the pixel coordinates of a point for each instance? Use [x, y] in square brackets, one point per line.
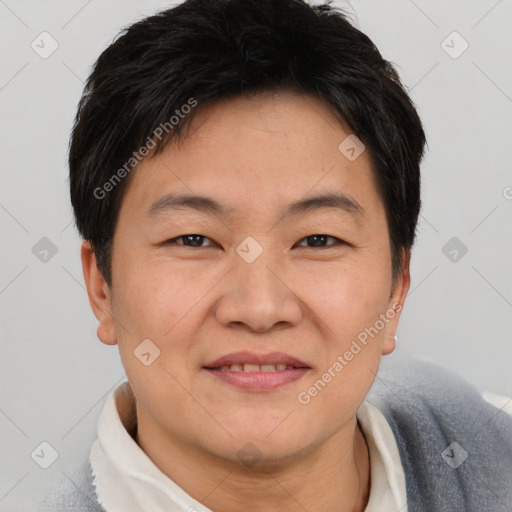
[99, 294]
[389, 345]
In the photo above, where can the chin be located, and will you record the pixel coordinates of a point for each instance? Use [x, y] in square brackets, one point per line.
[259, 455]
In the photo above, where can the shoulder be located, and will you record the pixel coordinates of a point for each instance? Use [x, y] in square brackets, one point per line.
[73, 493]
[456, 448]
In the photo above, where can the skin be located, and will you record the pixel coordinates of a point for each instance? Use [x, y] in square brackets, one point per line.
[197, 303]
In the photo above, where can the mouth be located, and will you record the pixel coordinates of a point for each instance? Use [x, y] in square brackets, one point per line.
[257, 372]
[248, 367]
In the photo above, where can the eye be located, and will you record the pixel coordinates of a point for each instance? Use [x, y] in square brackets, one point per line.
[192, 239]
[195, 240]
[320, 240]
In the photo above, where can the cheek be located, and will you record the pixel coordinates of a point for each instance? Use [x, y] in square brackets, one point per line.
[153, 297]
[348, 299]
[162, 305]
[348, 309]
[153, 343]
[349, 306]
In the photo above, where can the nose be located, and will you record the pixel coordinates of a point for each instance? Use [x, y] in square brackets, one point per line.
[257, 296]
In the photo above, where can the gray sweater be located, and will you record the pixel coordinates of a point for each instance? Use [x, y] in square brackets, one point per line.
[456, 449]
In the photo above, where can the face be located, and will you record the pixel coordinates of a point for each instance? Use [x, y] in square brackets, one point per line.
[244, 271]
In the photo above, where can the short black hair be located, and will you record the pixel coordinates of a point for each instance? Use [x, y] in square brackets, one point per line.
[202, 51]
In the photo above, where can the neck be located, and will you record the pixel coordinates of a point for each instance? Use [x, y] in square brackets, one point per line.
[334, 476]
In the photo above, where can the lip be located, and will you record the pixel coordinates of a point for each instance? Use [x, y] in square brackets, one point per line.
[253, 358]
[258, 381]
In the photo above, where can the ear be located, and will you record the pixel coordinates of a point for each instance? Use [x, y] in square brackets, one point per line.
[396, 304]
[100, 296]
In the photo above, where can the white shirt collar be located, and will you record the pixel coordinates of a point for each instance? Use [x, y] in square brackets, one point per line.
[125, 478]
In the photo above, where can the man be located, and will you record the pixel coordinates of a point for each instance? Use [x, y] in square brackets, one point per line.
[245, 176]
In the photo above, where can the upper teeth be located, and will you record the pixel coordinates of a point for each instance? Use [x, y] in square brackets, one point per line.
[256, 367]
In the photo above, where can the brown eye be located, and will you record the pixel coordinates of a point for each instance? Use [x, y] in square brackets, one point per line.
[191, 240]
[321, 241]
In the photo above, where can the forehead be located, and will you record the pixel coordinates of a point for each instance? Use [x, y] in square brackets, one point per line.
[253, 155]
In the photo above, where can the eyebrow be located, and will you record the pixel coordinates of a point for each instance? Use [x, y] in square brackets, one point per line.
[334, 200]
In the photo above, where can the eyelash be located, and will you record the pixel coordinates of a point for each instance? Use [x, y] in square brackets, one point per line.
[338, 241]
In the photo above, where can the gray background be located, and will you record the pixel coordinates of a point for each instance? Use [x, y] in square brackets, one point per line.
[55, 373]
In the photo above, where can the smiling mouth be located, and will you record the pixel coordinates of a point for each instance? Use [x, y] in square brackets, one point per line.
[279, 367]
[257, 378]
[257, 373]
